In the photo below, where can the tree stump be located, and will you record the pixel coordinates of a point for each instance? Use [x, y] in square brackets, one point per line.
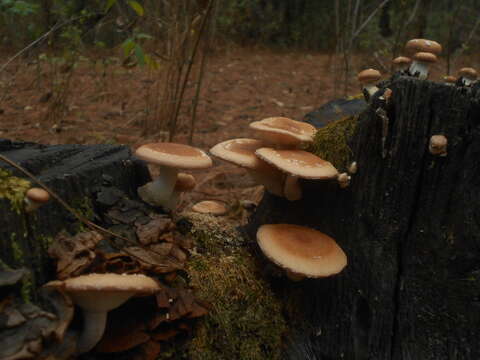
[410, 225]
[74, 172]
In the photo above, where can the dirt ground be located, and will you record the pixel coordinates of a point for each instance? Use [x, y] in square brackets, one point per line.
[108, 104]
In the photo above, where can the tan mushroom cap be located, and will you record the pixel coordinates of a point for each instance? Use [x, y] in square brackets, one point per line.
[37, 195]
[425, 57]
[468, 72]
[185, 182]
[239, 151]
[284, 131]
[402, 60]
[210, 207]
[174, 155]
[301, 250]
[450, 79]
[423, 45]
[368, 76]
[298, 163]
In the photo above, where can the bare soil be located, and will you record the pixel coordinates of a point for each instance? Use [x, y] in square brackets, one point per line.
[107, 104]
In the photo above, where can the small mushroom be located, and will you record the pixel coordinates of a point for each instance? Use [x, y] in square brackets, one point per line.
[438, 145]
[34, 198]
[420, 64]
[301, 251]
[353, 168]
[344, 180]
[170, 157]
[97, 294]
[210, 207]
[401, 63]
[467, 75]
[450, 80]
[368, 78]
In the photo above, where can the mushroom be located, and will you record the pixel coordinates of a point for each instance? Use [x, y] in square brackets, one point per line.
[467, 75]
[301, 251]
[438, 145]
[401, 63]
[211, 207]
[297, 164]
[185, 182]
[34, 198]
[283, 132]
[450, 80]
[421, 61]
[241, 152]
[344, 180]
[170, 157]
[423, 45]
[368, 78]
[353, 168]
[97, 294]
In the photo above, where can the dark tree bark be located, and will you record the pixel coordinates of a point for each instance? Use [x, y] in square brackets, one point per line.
[74, 172]
[410, 225]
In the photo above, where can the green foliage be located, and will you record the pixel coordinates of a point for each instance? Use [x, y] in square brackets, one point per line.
[245, 319]
[13, 189]
[18, 7]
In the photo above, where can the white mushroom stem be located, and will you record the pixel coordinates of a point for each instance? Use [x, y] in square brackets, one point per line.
[292, 189]
[94, 323]
[159, 191]
[370, 88]
[419, 67]
[270, 177]
[466, 81]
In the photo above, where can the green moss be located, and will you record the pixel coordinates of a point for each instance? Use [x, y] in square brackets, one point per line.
[331, 142]
[245, 319]
[13, 189]
[85, 207]
[16, 249]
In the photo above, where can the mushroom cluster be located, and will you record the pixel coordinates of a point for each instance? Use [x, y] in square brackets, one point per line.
[276, 160]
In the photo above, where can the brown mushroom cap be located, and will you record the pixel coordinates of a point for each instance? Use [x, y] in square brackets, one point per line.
[96, 291]
[284, 131]
[450, 79]
[301, 250]
[402, 60]
[425, 57]
[185, 182]
[37, 195]
[298, 163]
[468, 72]
[178, 156]
[369, 76]
[210, 207]
[423, 45]
[239, 151]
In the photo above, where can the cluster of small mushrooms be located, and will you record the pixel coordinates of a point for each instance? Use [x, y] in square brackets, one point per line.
[423, 53]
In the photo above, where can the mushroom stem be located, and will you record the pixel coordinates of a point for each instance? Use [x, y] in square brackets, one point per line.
[371, 89]
[159, 191]
[269, 177]
[292, 189]
[420, 68]
[94, 323]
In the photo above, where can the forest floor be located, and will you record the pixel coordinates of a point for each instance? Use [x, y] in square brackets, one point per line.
[107, 104]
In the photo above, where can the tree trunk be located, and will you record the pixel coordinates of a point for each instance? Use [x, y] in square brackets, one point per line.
[410, 225]
[73, 172]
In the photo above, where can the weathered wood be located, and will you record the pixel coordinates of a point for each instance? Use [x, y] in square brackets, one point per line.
[410, 225]
[74, 172]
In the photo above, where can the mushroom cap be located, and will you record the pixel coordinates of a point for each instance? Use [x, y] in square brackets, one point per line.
[239, 151]
[423, 45]
[174, 155]
[301, 250]
[450, 79]
[468, 72]
[298, 163]
[369, 76]
[402, 60]
[185, 182]
[438, 141]
[425, 57]
[103, 292]
[37, 195]
[210, 207]
[284, 131]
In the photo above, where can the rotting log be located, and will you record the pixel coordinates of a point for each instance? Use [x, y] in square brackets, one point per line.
[410, 225]
[74, 172]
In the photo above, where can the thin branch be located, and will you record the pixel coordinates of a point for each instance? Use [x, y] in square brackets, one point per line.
[367, 20]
